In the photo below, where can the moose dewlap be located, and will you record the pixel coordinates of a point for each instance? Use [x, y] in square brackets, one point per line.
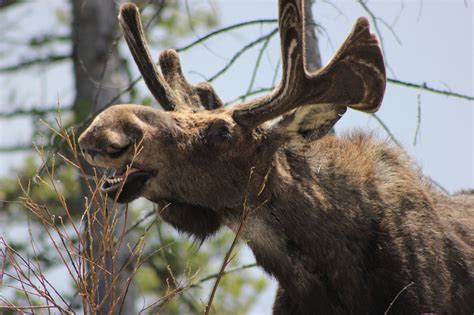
[345, 224]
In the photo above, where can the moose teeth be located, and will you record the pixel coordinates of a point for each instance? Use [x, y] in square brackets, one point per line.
[113, 181]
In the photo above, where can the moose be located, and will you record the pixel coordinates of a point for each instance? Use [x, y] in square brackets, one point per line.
[346, 224]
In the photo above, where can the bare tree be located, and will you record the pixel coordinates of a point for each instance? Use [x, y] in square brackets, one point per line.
[99, 77]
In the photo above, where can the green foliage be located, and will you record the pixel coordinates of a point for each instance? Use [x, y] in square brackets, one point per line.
[12, 189]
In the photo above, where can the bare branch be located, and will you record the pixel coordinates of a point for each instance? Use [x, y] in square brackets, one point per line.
[396, 297]
[387, 130]
[33, 112]
[16, 148]
[225, 272]
[32, 62]
[250, 93]
[377, 29]
[257, 65]
[418, 118]
[223, 30]
[425, 87]
[240, 52]
[36, 41]
[47, 39]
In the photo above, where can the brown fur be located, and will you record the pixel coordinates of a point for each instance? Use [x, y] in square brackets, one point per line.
[343, 224]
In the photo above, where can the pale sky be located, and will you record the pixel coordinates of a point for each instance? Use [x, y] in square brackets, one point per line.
[436, 47]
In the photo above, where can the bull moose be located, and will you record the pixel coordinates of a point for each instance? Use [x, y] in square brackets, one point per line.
[346, 224]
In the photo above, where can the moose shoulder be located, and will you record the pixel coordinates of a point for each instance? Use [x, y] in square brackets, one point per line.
[345, 224]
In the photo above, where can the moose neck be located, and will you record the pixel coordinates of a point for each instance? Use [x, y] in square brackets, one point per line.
[308, 217]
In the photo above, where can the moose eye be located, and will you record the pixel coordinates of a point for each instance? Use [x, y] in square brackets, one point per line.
[219, 133]
[115, 152]
[224, 133]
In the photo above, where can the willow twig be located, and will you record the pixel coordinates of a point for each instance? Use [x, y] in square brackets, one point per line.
[36, 61]
[425, 87]
[397, 296]
[33, 112]
[240, 52]
[257, 65]
[223, 30]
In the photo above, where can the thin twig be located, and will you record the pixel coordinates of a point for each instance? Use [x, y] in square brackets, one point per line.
[425, 87]
[251, 93]
[223, 30]
[374, 21]
[257, 65]
[140, 221]
[240, 52]
[32, 62]
[246, 211]
[158, 12]
[225, 262]
[17, 148]
[396, 297]
[387, 130]
[377, 29]
[33, 112]
[192, 28]
[418, 118]
[392, 137]
[215, 275]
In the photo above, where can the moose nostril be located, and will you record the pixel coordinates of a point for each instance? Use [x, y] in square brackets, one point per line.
[93, 153]
[89, 152]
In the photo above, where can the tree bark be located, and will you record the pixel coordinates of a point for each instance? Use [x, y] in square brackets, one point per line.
[98, 74]
[313, 56]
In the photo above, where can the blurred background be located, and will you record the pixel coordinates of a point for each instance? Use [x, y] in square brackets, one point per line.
[69, 55]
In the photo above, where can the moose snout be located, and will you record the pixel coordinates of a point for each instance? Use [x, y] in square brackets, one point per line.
[89, 152]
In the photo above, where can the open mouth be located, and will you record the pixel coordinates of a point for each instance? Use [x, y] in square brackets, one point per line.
[127, 181]
[116, 180]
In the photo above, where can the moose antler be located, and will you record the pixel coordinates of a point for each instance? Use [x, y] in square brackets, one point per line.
[170, 88]
[355, 77]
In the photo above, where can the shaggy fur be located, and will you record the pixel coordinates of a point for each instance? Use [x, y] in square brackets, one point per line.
[343, 224]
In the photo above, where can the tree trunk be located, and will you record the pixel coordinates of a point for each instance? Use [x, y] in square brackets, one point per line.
[98, 74]
[313, 56]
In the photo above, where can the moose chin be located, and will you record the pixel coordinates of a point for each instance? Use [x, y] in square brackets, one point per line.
[345, 224]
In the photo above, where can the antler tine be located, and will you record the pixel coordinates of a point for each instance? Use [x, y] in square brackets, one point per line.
[193, 96]
[355, 77]
[170, 89]
[132, 30]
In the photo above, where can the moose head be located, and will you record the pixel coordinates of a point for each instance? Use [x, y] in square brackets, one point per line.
[197, 151]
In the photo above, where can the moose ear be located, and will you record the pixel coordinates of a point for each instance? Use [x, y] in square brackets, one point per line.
[309, 122]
